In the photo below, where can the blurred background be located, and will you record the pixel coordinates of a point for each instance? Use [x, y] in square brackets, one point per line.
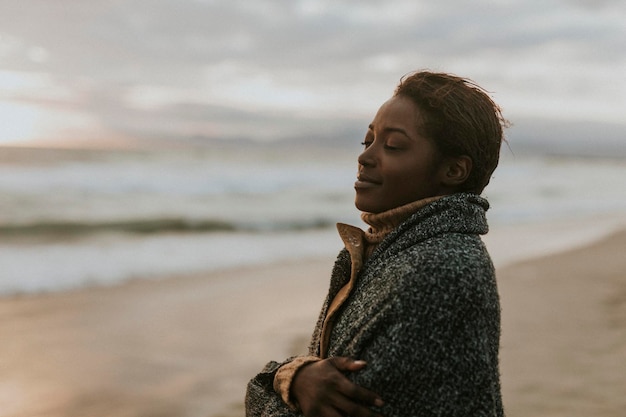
[143, 139]
[210, 117]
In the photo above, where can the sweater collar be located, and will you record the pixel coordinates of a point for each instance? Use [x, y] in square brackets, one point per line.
[381, 224]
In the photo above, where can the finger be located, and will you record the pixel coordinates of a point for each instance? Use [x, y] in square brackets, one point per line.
[353, 409]
[360, 394]
[344, 363]
[350, 389]
[324, 411]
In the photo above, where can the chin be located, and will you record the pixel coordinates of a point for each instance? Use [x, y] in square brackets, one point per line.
[360, 206]
[366, 208]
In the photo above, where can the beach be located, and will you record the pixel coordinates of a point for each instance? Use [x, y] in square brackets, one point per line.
[564, 332]
[187, 345]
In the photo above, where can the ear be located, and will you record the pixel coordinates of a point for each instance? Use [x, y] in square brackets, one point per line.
[456, 170]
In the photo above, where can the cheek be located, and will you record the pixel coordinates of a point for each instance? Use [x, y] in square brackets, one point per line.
[401, 183]
[411, 181]
[407, 174]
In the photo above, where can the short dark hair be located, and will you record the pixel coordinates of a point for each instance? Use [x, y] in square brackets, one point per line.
[460, 118]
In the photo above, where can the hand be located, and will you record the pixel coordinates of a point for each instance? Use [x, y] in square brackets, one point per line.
[322, 390]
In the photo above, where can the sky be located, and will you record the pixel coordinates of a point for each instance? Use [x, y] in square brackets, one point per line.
[116, 71]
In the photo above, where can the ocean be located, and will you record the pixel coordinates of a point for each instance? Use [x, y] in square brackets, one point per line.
[74, 218]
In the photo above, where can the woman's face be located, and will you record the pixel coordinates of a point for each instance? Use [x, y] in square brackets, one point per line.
[398, 165]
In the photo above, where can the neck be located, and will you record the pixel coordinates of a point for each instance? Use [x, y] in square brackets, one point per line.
[383, 223]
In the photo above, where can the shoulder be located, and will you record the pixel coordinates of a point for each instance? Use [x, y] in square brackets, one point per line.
[449, 254]
[452, 266]
[444, 255]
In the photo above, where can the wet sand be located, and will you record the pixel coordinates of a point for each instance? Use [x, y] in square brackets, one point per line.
[186, 346]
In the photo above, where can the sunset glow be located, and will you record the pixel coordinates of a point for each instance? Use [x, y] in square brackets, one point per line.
[271, 71]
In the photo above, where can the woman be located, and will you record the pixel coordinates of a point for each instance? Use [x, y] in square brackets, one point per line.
[411, 323]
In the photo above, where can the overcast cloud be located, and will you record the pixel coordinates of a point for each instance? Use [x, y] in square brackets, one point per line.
[285, 68]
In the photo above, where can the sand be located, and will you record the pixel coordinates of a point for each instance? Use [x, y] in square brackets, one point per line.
[186, 346]
[564, 333]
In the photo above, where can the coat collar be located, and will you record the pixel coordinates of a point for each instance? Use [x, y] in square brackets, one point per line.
[456, 213]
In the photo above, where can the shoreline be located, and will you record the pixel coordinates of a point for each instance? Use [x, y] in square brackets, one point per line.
[511, 244]
[129, 258]
[187, 345]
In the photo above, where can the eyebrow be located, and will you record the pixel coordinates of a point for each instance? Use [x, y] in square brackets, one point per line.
[392, 129]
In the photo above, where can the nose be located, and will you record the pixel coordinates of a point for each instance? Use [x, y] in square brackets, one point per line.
[367, 157]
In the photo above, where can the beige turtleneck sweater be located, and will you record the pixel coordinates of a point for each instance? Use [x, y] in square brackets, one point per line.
[360, 245]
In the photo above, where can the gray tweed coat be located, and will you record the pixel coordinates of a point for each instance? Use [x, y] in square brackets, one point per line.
[424, 315]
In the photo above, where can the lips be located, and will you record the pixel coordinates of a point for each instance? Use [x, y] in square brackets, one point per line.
[365, 181]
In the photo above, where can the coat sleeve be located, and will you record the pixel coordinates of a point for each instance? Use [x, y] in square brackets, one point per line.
[261, 399]
[433, 349]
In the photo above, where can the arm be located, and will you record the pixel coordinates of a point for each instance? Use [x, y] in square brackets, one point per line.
[261, 399]
[434, 351]
[322, 389]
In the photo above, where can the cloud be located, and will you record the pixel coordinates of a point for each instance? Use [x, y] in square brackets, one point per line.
[285, 62]
[546, 136]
